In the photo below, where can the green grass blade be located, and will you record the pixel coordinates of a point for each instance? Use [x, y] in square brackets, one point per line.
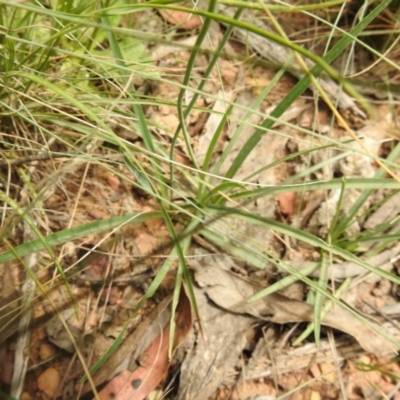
[243, 124]
[326, 308]
[77, 232]
[301, 86]
[352, 183]
[345, 222]
[137, 109]
[186, 79]
[320, 298]
[290, 279]
[302, 236]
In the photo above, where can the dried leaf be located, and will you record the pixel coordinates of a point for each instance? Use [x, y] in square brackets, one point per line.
[154, 362]
[56, 332]
[231, 293]
[133, 342]
[145, 378]
[184, 318]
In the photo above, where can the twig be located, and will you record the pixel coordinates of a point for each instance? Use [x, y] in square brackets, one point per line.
[28, 159]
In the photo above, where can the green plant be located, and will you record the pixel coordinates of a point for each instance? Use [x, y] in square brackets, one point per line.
[71, 88]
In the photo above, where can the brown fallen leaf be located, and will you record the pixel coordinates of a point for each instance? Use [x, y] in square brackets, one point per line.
[154, 362]
[183, 319]
[138, 384]
[231, 292]
[128, 348]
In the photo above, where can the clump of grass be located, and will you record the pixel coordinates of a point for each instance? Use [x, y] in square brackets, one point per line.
[73, 96]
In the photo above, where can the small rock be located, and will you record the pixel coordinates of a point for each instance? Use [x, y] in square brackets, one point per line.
[328, 372]
[49, 381]
[315, 396]
[46, 351]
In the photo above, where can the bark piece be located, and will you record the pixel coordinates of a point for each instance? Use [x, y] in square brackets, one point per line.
[212, 358]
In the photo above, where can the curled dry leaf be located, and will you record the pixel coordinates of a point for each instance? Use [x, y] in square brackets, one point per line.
[56, 332]
[231, 293]
[145, 378]
[345, 269]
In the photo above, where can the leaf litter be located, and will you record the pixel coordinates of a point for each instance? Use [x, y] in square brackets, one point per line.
[229, 355]
[153, 363]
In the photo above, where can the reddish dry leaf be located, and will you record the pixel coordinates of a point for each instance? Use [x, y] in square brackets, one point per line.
[154, 362]
[128, 347]
[138, 384]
